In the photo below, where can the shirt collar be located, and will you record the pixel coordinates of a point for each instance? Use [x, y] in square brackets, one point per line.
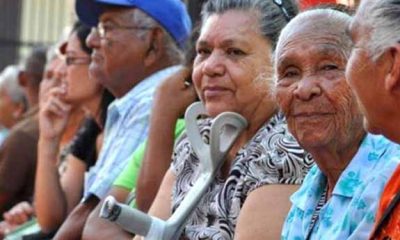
[122, 104]
[370, 151]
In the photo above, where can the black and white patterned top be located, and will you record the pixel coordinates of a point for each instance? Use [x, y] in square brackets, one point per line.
[272, 156]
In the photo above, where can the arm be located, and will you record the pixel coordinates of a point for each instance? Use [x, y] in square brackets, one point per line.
[264, 211]
[53, 117]
[171, 100]
[161, 206]
[72, 227]
[99, 228]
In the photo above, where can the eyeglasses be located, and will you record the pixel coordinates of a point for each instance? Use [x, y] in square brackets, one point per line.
[103, 29]
[77, 60]
[279, 3]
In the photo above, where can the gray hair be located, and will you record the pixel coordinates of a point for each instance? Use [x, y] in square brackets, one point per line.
[384, 20]
[173, 52]
[9, 82]
[332, 21]
[271, 17]
[35, 63]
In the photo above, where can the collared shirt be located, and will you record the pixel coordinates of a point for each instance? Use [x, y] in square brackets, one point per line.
[350, 212]
[126, 127]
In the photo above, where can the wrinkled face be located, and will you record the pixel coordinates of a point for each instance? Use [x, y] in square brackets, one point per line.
[79, 87]
[118, 56]
[232, 64]
[312, 90]
[365, 76]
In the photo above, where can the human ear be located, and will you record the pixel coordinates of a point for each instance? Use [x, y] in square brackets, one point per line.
[392, 79]
[19, 111]
[22, 79]
[153, 53]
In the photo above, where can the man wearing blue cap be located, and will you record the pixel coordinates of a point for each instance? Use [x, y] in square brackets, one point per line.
[136, 44]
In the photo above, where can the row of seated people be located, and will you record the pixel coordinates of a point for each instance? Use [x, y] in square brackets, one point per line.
[286, 73]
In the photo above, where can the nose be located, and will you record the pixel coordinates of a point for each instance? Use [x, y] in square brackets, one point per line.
[307, 89]
[213, 65]
[93, 39]
[60, 71]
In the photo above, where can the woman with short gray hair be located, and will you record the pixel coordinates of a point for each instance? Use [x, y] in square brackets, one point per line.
[232, 72]
[373, 73]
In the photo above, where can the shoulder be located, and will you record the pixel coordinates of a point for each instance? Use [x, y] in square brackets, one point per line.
[274, 156]
[183, 154]
[28, 127]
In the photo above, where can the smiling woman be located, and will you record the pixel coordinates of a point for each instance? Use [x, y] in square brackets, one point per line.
[339, 196]
[233, 72]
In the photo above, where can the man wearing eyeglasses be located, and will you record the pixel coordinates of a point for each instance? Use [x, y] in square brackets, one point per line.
[136, 44]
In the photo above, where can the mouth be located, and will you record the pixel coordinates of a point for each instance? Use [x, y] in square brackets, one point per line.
[96, 57]
[214, 91]
[312, 114]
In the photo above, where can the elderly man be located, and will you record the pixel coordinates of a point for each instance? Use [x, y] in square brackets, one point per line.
[374, 74]
[136, 44]
[339, 196]
[18, 152]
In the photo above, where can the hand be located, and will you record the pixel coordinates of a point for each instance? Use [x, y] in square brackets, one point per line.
[5, 228]
[54, 114]
[174, 94]
[19, 214]
[53, 76]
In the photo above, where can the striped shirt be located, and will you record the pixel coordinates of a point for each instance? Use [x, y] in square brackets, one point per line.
[126, 128]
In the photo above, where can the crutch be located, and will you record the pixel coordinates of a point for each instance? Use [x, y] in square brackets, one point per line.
[224, 131]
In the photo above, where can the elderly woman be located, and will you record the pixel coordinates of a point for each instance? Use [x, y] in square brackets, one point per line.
[373, 73]
[232, 72]
[339, 195]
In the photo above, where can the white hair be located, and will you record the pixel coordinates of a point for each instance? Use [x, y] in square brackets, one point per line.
[172, 50]
[383, 19]
[9, 83]
[329, 21]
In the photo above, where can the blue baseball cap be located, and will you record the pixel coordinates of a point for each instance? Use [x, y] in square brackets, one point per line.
[170, 14]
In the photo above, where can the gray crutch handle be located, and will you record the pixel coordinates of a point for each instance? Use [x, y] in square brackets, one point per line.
[225, 129]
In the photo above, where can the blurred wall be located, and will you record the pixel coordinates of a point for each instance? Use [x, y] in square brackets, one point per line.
[26, 23]
[10, 14]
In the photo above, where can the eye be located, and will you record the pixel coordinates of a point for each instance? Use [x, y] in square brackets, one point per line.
[235, 52]
[290, 73]
[203, 51]
[329, 67]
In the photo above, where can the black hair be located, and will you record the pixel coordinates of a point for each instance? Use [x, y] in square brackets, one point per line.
[82, 31]
[106, 99]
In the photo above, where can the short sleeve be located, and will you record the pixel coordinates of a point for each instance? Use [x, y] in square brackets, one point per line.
[84, 143]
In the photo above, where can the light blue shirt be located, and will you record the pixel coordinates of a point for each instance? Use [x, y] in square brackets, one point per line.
[350, 212]
[126, 128]
[3, 134]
